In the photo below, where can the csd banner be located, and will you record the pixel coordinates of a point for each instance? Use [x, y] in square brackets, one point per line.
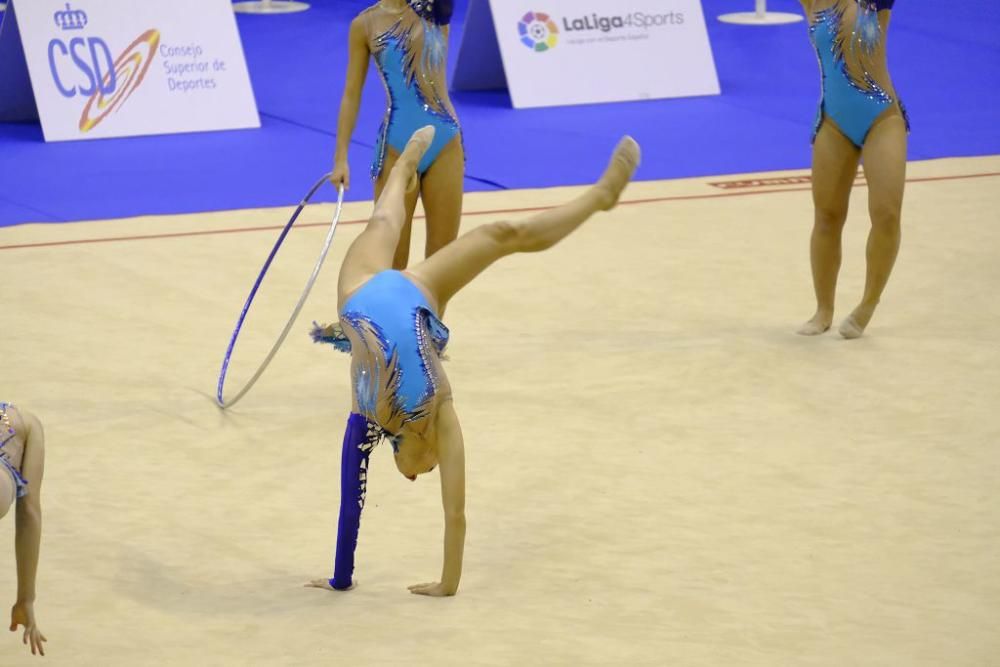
[559, 52]
[115, 68]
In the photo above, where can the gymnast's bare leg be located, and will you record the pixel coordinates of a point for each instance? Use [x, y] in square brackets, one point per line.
[455, 265]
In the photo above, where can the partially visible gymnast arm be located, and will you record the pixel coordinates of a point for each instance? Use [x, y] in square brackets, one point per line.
[28, 535]
[357, 70]
[451, 459]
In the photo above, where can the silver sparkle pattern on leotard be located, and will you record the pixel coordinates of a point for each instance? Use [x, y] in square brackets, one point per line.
[855, 46]
[435, 47]
[378, 373]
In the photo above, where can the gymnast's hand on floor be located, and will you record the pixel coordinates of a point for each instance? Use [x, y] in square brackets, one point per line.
[325, 585]
[434, 590]
[23, 613]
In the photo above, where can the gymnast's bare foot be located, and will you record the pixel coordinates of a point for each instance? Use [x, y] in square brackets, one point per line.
[624, 162]
[418, 145]
[856, 323]
[819, 324]
[414, 151]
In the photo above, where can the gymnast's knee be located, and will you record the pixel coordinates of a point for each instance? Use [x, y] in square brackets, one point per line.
[885, 217]
[830, 219]
[382, 218]
[506, 235]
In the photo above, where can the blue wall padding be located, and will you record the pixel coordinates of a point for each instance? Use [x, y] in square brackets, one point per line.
[944, 60]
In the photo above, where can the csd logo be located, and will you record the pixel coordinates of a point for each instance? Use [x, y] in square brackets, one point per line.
[89, 57]
[84, 67]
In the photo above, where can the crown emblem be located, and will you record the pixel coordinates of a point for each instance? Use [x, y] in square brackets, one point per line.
[71, 19]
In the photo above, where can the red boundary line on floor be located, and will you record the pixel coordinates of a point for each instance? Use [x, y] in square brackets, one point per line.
[630, 202]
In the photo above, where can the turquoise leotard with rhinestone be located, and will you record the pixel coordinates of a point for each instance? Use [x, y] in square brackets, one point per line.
[401, 337]
[852, 97]
[410, 51]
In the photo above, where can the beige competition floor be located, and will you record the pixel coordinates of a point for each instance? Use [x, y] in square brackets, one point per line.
[660, 471]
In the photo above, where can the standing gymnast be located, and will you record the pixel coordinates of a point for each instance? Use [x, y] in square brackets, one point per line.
[860, 119]
[389, 323]
[408, 40]
[22, 462]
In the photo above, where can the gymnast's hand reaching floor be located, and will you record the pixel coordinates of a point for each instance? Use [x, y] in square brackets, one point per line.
[23, 613]
[434, 590]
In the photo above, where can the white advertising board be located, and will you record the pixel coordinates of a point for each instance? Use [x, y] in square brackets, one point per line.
[558, 52]
[114, 68]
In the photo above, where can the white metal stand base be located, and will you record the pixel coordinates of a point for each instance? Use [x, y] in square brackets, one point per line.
[270, 7]
[760, 16]
[753, 18]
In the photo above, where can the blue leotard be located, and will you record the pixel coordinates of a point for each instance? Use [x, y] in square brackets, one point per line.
[394, 375]
[410, 50]
[848, 39]
[7, 434]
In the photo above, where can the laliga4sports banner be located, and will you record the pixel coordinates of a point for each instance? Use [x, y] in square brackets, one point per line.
[113, 68]
[582, 51]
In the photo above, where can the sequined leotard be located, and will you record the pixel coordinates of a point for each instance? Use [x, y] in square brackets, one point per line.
[11, 452]
[410, 49]
[397, 342]
[850, 44]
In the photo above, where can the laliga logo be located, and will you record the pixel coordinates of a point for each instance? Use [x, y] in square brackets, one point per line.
[538, 32]
[107, 83]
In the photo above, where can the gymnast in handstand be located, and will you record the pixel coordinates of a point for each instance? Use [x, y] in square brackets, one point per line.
[389, 324]
[22, 462]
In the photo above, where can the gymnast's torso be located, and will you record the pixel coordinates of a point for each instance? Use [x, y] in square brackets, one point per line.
[849, 38]
[396, 341]
[410, 48]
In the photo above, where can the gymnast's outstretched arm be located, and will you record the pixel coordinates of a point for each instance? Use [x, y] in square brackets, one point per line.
[451, 459]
